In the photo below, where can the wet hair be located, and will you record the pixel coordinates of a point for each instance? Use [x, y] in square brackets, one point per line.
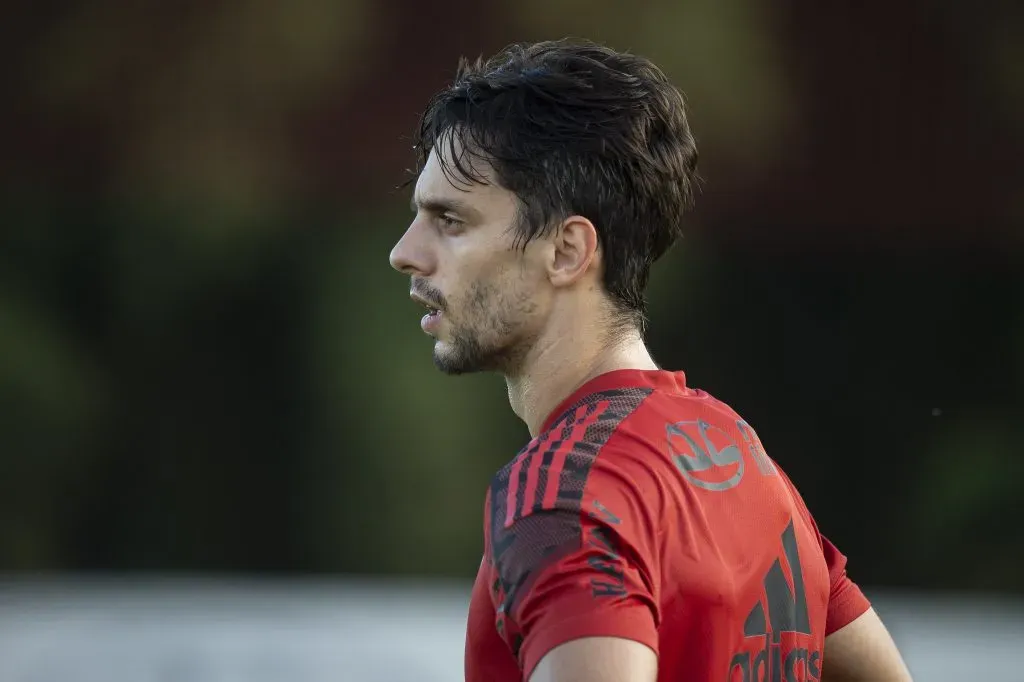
[574, 128]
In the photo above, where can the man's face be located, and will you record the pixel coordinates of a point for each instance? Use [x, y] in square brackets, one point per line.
[489, 297]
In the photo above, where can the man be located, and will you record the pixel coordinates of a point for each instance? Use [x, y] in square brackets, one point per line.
[643, 534]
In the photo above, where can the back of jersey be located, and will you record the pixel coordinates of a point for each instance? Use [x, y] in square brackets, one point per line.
[649, 511]
[745, 574]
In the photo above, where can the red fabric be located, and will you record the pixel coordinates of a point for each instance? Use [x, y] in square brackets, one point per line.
[649, 511]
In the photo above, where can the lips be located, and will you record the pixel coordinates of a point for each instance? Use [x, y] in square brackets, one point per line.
[431, 307]
[432, 320]
[433, 310]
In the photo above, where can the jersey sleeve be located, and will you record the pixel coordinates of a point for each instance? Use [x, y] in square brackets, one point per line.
[583, 563]
[846, 601]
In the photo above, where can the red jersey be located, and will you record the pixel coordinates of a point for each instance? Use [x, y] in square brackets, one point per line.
[650, 511]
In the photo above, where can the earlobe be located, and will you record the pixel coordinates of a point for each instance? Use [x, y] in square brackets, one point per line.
[575, 251]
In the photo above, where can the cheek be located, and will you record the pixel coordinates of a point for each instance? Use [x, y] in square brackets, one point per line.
[499, 291]
[520, 298]
[484, 303]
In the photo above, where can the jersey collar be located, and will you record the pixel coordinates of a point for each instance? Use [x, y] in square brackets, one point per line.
[655, 379]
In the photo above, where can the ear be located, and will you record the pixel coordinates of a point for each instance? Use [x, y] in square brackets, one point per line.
[575, 251]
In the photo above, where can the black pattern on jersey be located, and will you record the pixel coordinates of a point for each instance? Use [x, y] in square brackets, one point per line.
[536, 499]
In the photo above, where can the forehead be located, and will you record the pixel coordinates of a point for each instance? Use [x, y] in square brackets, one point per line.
[441, 182]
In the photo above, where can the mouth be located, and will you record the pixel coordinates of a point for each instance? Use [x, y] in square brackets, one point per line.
[432, 318]
[431, 308]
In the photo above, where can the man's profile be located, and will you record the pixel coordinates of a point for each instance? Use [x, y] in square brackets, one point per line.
[644, 533]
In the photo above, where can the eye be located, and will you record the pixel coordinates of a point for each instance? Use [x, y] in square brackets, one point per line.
[449, 223]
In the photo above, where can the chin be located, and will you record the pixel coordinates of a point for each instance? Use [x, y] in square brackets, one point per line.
[452, 365]
[455, 359]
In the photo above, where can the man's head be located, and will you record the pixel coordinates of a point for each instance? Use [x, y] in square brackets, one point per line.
[551, 177]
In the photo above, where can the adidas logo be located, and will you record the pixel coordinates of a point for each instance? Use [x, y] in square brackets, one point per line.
[775, 634]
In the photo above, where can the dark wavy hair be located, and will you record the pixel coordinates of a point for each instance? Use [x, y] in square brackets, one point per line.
[575, 128]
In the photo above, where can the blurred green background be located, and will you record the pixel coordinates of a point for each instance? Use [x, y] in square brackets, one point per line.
[207, 365]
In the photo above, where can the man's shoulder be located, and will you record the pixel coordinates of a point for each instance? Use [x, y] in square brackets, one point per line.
[567, 487]
[591, 450]
[597, 415]
[573, 442]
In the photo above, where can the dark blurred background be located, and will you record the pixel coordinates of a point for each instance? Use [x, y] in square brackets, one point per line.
[207, 365]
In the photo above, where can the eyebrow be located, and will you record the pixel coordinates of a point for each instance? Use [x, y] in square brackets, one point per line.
[438, 206]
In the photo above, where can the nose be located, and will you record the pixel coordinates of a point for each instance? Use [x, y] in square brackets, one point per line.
[411, 255]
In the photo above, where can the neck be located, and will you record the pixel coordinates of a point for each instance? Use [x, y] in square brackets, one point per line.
[561, 362]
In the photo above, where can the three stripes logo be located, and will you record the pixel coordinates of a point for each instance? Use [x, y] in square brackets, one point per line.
[778, 653]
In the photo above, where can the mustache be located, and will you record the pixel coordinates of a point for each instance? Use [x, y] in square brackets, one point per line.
[421, 288]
